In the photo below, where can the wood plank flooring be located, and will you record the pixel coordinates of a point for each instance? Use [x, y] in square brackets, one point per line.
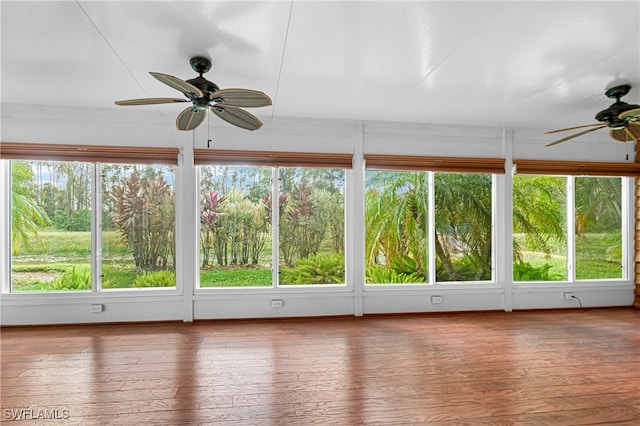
[565, 367]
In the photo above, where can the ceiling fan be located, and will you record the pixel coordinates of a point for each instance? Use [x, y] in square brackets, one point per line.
[205, 95]
[622, 118]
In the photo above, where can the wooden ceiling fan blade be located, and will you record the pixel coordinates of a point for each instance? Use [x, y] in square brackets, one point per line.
[236, 116]
[572, 128]
[621, 135]
[633, 129]
[188, 89]
[190, 118]
[576, 135]
[628, 134]
[150, 101]
[241, 98]
[631, 115]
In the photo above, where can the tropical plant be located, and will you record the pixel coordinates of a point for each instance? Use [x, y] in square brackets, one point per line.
[27, 216]
[598, 202]
[164, 278]
[538, 212]
[210, 217]
[378, 274]
[303, 222]
[144, 214]
[524, 271]
[396, 217]
[396, 211]
[73, 279]
[246, 227]
[316, 269]
[463, 221]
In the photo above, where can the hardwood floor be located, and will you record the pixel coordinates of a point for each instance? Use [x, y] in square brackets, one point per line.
[565, 367]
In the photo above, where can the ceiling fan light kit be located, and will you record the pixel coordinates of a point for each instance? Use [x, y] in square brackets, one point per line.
[206, 95]
[622, 118]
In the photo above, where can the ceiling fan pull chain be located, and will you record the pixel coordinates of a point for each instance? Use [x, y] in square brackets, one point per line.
[208, 131]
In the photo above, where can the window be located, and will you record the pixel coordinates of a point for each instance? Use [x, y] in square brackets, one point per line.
[426, 226]
[598, 227]
[137, 226]
[235, 226]
[311, 226]
[546, 207]
[397, 227]
[66, 236]
[249, 238]
[539, 228]
[463, 226]
[50, 226]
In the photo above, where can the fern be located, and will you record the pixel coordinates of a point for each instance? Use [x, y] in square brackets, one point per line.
[73, 279]
[317, 269]
[155, 279]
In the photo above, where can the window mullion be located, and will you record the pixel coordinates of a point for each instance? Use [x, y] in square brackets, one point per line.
[431, 228]
[626, 227]
[5, 224]
[275, 228]
[96, 228]
[571, 223]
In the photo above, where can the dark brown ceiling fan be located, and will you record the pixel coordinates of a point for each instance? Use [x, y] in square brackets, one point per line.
[205, 95]
[622, 118]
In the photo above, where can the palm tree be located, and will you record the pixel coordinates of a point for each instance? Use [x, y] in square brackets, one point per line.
[538, 212]
[396, 211]
[598, 202]
[396, 219]
[27, 216]
[463, 218]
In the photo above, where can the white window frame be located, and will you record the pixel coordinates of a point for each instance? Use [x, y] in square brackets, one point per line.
[432, 282]
[96, 240]
[275, 234]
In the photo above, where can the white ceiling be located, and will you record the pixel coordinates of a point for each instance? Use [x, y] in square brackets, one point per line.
[514, 64]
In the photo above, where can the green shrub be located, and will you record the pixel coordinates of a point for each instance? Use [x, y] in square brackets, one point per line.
[73, 279]
[164, 278]
[79, 221]
[60, 219]
[524, 271]
[317, 269]
[378, 274]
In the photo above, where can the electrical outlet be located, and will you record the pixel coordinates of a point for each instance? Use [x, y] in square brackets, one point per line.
[96, 308]
[276, 303]
[568, 296]
[436, 299]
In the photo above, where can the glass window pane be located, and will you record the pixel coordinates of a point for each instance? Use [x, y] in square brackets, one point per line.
[311, 230]
[463, 219]
[235, 226]
[138, 226]
[50, 226]
[539, 228]
[396, 222]
[598, 233]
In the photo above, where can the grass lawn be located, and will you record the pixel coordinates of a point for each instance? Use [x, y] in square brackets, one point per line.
[598, 256]
[236, 277]
[58, 257]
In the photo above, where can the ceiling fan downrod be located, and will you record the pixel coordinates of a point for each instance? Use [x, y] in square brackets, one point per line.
[201, 65]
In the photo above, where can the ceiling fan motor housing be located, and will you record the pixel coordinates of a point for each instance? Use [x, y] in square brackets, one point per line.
[204, 85]
[610, 116]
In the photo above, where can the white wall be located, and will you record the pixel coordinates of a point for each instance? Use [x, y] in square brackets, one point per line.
[144, 128]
